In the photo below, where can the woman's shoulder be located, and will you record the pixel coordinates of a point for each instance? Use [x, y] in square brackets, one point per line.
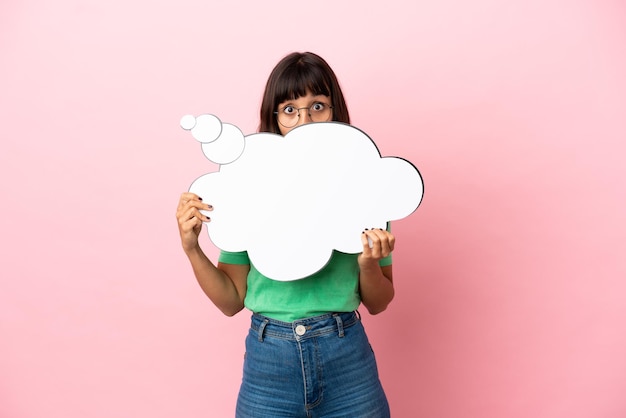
[239, 257]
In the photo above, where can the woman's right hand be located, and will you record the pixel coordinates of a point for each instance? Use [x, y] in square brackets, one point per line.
[190, 219]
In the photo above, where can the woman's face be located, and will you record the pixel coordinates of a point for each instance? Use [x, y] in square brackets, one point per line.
[303, 110]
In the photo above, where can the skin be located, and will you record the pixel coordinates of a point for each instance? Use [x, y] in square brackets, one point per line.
[226, 284]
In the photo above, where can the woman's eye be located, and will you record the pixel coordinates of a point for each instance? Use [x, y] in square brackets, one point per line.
[318, 107]
[289, 110]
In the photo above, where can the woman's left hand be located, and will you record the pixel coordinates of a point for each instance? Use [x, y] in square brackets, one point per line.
[382, 243]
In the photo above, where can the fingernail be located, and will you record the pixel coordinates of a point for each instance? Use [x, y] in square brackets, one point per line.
[210, 207]
[200, 198]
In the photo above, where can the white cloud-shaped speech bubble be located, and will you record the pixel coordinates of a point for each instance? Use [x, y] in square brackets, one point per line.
[290, 201]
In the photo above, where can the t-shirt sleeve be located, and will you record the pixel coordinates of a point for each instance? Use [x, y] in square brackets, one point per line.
[387, 261]
[228, 257]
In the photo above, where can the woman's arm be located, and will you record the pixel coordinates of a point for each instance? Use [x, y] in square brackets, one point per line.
[376, 282]
[224, 284]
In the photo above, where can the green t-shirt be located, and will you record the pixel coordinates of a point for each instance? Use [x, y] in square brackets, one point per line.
[335, 288]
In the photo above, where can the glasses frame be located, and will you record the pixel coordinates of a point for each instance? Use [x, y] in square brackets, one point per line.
[298, 109]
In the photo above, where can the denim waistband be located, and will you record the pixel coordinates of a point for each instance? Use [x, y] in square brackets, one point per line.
[331, 323]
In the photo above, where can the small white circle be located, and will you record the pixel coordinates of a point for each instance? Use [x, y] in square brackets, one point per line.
[227, 148]
[187, 122]
[300, 330]
[207, 128]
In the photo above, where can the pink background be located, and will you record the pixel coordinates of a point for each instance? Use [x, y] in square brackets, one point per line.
[510, 276]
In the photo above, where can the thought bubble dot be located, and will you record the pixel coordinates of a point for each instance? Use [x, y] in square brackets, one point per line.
[227, 148]
[187, 122]
[208, 128]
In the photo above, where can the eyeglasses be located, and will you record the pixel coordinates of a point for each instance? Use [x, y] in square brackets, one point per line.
[288, 116]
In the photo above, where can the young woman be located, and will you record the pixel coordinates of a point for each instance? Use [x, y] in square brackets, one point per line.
[307, 354]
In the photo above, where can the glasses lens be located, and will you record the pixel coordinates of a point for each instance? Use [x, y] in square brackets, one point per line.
[288, 116]
[320, 112]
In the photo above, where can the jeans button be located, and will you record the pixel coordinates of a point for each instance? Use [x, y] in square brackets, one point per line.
[300, 330]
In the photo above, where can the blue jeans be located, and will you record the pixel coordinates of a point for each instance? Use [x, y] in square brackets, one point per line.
[315, 367]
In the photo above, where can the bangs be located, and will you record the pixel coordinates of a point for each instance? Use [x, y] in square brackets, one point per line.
[298, 80]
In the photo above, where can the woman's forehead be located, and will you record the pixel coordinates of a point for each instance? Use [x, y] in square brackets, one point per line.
[307, 97]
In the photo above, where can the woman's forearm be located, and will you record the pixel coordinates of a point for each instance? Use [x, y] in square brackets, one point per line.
[376, 287]
[224, 285]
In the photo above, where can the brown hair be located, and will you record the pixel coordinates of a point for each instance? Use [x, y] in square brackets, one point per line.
[294, 76]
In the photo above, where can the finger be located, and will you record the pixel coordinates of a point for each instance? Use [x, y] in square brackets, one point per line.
[392, 241]
[365, 241]
[192, 224]
[373, 243]
[191, 213]
[188, 197]
[387, 239]
[184, 206]
[385, 244]
[198, 205]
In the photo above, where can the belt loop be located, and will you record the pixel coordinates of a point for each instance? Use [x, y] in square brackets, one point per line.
[262, 329]
[339, 324]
